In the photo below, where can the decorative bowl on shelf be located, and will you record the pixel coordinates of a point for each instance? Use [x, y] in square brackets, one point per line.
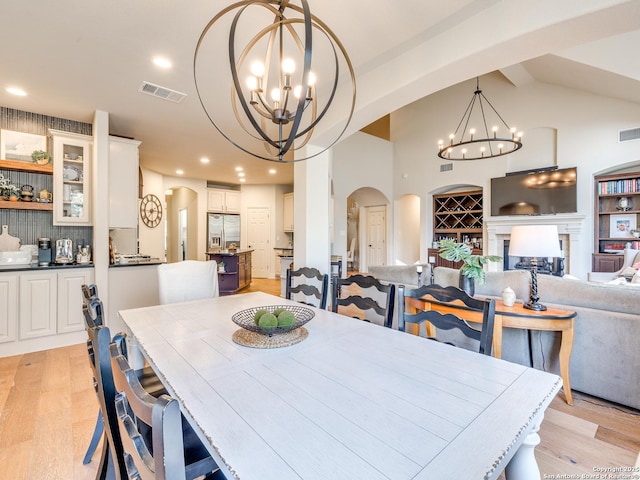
[271, 326]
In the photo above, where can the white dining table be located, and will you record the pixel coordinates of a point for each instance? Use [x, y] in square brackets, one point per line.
[353, 400]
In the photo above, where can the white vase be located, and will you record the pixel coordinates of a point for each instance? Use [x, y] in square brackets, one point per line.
[508, 297]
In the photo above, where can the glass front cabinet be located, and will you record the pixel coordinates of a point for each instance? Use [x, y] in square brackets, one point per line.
[71, 178]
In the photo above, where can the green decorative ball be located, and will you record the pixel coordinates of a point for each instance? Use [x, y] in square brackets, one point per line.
[268, 322]
[278, 311]
[286, 319]
[259, 314]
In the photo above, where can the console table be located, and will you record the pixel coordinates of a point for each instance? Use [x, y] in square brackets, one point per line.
[552, 319]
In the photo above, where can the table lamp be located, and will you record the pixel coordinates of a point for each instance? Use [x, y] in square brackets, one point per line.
[535, 241]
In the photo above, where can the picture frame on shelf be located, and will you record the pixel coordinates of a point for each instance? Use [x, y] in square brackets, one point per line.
[620, 226]
[19, 146]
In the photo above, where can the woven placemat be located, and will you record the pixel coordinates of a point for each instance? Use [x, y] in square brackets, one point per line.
[258, 340]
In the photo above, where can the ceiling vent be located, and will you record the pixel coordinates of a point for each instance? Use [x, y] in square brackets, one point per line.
[629, 134]
[446, 167]
[162, 92]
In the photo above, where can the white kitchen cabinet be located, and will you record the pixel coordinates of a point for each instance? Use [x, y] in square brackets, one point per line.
[287, 216]
[71, 178]
[70, 316]
[227, 201]
[123, 182]
[8, 307]
[37, 304]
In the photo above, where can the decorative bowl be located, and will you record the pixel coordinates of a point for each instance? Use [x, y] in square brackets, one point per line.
[246, 318]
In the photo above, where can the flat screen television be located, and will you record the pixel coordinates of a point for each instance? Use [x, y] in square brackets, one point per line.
[539, 192]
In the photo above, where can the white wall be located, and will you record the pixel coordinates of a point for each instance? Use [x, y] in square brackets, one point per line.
[586, 126]
[152, 239]
[407, 230]
[360, 161]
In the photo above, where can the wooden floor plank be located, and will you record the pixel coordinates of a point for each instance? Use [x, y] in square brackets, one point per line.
[620, 439]
[579, 452]
[571, 422]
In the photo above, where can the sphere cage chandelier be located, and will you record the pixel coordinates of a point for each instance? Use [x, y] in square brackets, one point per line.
[489, 146]
[284, 120]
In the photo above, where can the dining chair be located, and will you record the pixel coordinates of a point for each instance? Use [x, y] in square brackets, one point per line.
[307, 285]
[454, 309]
[157, 440]
[364, 297]
[350, 253]
[187, 280]
[111, 460]
[92, 310]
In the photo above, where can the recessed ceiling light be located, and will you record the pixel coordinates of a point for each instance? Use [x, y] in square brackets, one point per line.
[239, 169]
[179, 172]
[241, 174]
[243, 179]
[17, 91]
[272, 171]
[162, 62]
[204, 160]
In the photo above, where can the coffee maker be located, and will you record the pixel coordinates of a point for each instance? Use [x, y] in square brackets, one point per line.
[44, 252]
[64, 251]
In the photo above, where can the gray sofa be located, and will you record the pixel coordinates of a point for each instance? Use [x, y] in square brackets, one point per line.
[605, 361]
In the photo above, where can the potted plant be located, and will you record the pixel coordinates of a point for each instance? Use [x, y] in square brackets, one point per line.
[41, 157]
[472, 268]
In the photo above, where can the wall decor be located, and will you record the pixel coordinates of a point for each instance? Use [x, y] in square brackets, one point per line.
[18, 146]
[620, 226]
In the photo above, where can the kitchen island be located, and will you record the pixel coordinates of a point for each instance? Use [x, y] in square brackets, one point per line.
[234, 270]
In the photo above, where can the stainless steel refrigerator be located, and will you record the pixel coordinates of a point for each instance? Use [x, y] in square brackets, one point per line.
[223, 229]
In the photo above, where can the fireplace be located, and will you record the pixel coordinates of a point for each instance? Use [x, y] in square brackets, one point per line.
[570, 226]
[546, 266]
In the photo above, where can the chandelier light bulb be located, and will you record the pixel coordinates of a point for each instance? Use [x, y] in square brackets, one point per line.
[288, 66]
[297, 90]
[500, 147]
[257, 69]
[275, 94]
[252, 83]
[472, 132]
[312, 79]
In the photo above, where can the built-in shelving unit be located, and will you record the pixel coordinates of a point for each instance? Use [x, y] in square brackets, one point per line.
[11, 165]
[617, 210]
[457, 216]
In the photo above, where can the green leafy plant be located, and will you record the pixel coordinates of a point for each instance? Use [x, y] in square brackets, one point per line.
[473, 266]
[40, 157]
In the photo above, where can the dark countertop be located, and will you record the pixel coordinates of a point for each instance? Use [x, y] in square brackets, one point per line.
[136, 263]
[229, 254]
[35, 268]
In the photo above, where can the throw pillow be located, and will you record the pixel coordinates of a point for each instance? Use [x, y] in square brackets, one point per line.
[636, 278]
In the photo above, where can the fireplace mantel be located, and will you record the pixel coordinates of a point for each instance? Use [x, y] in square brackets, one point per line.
[569, 226]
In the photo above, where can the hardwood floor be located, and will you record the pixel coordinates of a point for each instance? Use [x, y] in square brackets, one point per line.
[48, 410]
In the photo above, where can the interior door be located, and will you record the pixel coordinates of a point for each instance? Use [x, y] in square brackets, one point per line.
[258, 234]
[376, 236]
[182, 238]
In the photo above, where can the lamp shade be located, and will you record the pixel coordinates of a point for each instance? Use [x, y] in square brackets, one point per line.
[534, 241]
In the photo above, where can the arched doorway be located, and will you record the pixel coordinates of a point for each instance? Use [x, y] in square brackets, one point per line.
[368, 220]
[181, 239]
